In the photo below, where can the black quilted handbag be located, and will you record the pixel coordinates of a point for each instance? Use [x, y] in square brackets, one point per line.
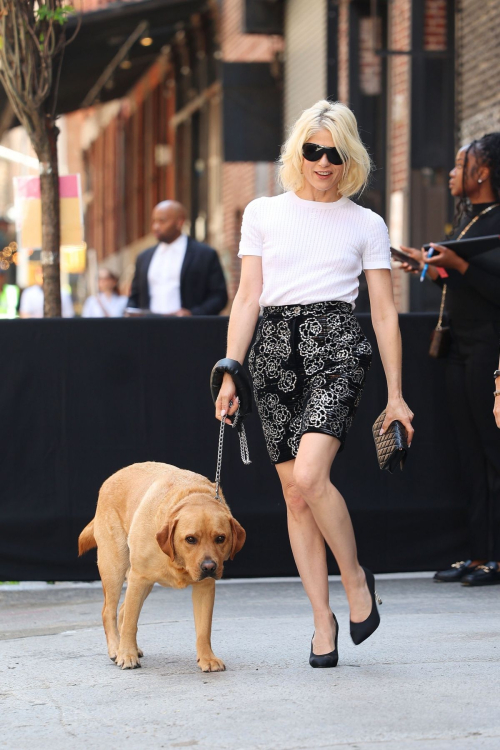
[392, 446]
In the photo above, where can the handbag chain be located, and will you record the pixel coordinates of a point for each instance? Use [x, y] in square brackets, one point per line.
[460, 236]
[441, 309]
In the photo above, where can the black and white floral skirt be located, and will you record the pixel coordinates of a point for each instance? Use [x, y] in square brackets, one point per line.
[308, 365]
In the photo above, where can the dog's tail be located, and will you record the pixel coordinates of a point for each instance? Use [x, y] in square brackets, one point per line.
[86, 540]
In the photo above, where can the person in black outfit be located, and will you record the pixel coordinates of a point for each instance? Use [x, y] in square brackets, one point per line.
[473, 306]
[178, 276]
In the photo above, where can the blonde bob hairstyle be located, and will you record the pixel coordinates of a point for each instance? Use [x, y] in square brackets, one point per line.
[341, 123]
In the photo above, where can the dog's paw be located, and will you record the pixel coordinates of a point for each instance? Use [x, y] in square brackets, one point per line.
[211, 664]
[140, 653]
[128, 660]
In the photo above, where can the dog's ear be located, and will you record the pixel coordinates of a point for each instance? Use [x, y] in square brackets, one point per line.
[239, 536]
[165, 539]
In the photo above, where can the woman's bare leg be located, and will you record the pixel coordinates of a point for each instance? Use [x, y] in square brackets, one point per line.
[311, 477]
[308, 547]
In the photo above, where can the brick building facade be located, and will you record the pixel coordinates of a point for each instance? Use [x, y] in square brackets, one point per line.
[478, 68]
[242, 181]
[204, 122]
[398, 140]
[170, 137]
[439, 70]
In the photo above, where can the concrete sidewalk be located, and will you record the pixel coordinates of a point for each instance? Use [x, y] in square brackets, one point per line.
[429, 678]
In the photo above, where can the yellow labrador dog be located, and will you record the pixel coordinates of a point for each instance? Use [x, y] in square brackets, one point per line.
[157, 523]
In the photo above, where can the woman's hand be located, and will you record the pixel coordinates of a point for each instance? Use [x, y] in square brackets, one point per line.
[446, 258]
[416, 255]
[227, 395]
[398, 409]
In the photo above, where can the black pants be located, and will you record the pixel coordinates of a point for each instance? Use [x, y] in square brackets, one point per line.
[470, 386]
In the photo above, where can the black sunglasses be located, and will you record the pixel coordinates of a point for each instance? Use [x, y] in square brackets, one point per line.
[313, 152]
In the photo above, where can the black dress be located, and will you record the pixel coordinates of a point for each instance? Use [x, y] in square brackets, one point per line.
[473, 306]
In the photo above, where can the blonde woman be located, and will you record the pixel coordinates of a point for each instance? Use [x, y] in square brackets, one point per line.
[302, 253]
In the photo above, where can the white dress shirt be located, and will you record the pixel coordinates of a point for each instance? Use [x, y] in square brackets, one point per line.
[164, 276]
[114, 306]
[32, 302]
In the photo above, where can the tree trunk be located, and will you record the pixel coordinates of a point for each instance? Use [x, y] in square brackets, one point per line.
[51, 219]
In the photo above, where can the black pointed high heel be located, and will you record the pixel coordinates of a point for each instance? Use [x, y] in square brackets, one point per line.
[360, 631]
[324, 661]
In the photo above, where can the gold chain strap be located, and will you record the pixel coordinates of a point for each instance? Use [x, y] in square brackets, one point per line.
[484, 211]
[441, 309]
[460, 236]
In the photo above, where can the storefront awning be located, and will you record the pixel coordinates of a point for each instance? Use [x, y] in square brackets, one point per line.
[106, 33]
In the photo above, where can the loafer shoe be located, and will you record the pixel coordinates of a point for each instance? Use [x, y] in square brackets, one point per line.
[455, 573]
[483, 575]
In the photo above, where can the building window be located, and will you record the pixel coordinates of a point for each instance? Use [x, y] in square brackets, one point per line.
[370, 64]
[435, 26]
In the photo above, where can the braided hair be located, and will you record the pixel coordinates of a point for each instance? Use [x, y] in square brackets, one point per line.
[487, 153]
[463, 205]
[487, 150]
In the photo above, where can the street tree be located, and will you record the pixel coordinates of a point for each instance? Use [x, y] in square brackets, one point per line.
[32, 42]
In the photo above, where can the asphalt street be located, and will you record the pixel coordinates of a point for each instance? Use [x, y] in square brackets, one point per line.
[429, 679]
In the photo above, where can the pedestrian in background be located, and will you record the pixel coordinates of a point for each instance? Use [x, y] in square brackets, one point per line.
[108, 302]
[9, 297]
[473, 305]
[178, 276]
[6, 233]
[31, 305]
[303, 252]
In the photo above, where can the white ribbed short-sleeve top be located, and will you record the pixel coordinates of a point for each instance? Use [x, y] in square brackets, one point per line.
[311, 251]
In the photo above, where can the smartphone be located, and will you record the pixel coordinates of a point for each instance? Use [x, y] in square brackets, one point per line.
[405, 258]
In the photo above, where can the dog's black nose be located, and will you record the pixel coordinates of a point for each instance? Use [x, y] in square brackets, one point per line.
[208, 566]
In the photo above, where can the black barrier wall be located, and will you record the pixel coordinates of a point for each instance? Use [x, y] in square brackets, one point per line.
[80, 399]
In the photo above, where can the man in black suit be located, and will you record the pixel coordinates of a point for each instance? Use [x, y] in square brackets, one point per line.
[178, 276]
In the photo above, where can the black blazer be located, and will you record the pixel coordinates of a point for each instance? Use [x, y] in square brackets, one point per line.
[203, 287]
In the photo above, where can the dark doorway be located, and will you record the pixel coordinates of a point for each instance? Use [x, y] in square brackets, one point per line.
[368, 91]
[368, 100]
[432, 136]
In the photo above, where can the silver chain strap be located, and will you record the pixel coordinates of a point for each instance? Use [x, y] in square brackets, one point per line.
[245, 456]
[219, 458]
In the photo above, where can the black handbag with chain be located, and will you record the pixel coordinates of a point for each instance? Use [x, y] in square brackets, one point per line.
[441, 335]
